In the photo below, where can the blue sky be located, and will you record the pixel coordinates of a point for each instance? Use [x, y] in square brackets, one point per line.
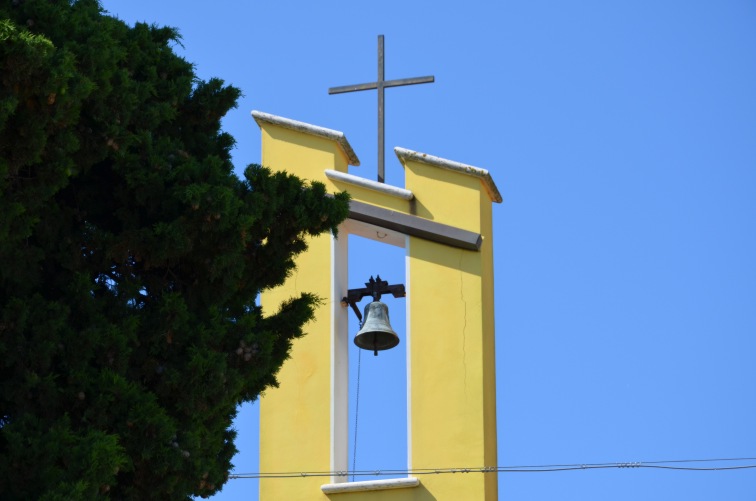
[622, 136]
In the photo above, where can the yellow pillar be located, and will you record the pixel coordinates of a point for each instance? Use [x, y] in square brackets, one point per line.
[298, 419]
[443, 219]
[452, 357]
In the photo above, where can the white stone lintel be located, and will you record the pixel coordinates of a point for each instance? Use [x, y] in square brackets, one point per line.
[334, 135]
[387, 189]
[482, 174]
[370, 485]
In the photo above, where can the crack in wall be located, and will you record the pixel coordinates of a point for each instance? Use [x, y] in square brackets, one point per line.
[464, 318]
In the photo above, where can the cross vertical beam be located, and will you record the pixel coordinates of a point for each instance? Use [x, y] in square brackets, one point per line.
[381, 129]
[380, 85]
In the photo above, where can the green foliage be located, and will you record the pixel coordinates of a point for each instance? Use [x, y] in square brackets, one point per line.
[132, 257]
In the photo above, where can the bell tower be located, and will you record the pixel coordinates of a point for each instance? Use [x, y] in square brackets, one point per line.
[443, 220]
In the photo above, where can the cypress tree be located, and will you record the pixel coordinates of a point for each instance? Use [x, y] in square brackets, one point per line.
[131, 257]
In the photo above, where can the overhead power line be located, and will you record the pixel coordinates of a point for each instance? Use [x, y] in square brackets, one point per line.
[677, 464]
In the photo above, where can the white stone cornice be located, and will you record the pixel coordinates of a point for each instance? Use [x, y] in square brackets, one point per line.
[388, 189]
[334, 135]
[370, 485]
[482, 174]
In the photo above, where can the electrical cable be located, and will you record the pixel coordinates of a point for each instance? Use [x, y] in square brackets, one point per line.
[663, 465]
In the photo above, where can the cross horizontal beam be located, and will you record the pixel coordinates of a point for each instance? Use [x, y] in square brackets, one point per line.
[387, 83]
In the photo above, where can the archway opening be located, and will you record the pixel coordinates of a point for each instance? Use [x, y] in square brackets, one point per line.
[377, 384]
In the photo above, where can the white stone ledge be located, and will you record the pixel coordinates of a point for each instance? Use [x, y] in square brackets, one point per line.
[370, 485]
[388, 189]
[493, 192]
[333, 135]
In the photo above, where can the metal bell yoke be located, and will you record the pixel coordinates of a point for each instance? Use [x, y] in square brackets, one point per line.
[376, 333]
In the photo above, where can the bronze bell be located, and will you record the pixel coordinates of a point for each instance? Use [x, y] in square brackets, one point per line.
[376, 333]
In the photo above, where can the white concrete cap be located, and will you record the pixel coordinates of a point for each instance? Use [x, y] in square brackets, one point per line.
[388, 189]
[482, 174]
[306, 128]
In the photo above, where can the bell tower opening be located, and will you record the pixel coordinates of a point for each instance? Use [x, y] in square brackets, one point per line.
[377, 409]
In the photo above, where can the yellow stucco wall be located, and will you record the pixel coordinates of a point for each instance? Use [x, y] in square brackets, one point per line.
[296, 418]
[450, 297]
[451, 364]
[297, 411]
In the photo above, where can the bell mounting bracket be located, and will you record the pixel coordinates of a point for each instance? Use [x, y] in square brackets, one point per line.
[375, 287]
